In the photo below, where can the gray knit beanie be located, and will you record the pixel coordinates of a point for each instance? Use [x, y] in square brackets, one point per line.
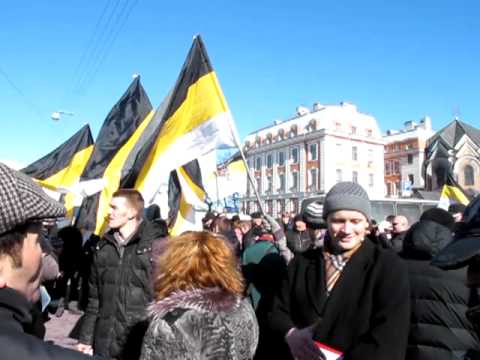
[347, 196]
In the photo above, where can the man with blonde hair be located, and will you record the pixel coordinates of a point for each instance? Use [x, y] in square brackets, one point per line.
[120, 284]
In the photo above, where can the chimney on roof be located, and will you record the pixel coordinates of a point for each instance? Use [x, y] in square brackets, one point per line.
[302, 110]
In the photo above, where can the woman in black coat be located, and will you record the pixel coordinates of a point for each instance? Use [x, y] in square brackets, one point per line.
[360, 306]
[439, 328]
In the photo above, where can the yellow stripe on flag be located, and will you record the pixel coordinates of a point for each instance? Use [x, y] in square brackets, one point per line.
[204, 101]
[113, 174]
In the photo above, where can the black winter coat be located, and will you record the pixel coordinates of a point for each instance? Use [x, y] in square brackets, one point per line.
[120, 288]
[366, 315]
[299, 242]
[439, 329]
[15, 344]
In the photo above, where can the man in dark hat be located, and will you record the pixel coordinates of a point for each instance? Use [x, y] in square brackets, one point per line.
[456, 210]
[23, 206]
[307, 229]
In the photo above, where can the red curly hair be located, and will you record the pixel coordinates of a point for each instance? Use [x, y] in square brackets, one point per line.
[197, 259]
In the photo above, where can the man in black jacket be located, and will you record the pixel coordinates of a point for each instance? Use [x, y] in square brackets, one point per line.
[350, 295]
[23, 205]
[121, 281]
[439, 327]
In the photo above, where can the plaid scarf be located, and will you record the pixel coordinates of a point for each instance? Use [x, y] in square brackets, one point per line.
[334, 265]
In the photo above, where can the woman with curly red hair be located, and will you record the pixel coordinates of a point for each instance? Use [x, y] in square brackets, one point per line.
[200, 311]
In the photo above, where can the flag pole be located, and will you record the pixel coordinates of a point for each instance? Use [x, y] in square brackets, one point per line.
[250, 177]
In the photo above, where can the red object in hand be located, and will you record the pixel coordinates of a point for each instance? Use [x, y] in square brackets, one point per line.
[330, 353]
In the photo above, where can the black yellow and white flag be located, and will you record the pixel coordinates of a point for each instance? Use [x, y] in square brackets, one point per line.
[186, 196]
[452, 193]
[116, 143]
[195, 122]
[61, 169]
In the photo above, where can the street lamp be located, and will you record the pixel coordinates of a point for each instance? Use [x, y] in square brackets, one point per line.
[56, 115]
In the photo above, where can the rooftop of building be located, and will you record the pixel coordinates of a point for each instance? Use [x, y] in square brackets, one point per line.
[306, 113]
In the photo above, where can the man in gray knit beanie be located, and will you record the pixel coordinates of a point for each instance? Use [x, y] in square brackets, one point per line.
[347, 196]
[347, 281]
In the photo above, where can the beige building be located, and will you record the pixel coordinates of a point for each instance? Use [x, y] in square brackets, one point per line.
[404, 156]
[309, 153]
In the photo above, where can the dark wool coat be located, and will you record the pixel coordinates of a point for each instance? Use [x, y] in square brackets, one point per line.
[264, 268]
[367, 313]
[120, 288]
[299, 242]
[15, 344]
[439, 328]
[201, 324]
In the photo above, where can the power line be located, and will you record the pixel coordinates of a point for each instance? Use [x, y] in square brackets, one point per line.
[125, 16]
[88, 47]
[34, 107]
[97, 45]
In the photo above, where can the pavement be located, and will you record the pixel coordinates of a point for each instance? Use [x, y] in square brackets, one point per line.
[58, 329]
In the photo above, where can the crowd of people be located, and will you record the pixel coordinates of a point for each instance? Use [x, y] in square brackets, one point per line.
[327, 283]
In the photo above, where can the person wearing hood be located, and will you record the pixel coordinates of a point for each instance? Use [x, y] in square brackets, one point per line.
[200, 311]
[439, 328]
[464, 251]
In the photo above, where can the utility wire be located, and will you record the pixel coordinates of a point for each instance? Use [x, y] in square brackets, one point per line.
[123, 21]
[88, 48]
[34, 107]
[97, 46]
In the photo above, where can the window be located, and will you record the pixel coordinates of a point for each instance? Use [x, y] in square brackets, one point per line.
[369, 133]
[396, 167]
[281, 182]
[281, 158]
[371, 181]
[269, 161]
[353, 130]
[355, 177]
[338, 126]
[388, 167]
[313, 151]
[294, 155]
[312, 179]
[269, 207]
[410, 158]
[259, 185]
[280, 206]
[294, 208]
[354, 153]
[468, 175]
[411, 179]
[258, 164]
[294, 186]
[339, 175]
[269, 184]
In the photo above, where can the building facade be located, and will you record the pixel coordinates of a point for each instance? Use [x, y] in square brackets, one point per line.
[454, 148]
[404, 156]
[309, 153]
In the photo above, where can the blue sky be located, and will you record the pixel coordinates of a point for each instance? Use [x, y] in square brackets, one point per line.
[397, 62]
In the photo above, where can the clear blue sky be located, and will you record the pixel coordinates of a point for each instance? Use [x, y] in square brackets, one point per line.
[397, 60]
